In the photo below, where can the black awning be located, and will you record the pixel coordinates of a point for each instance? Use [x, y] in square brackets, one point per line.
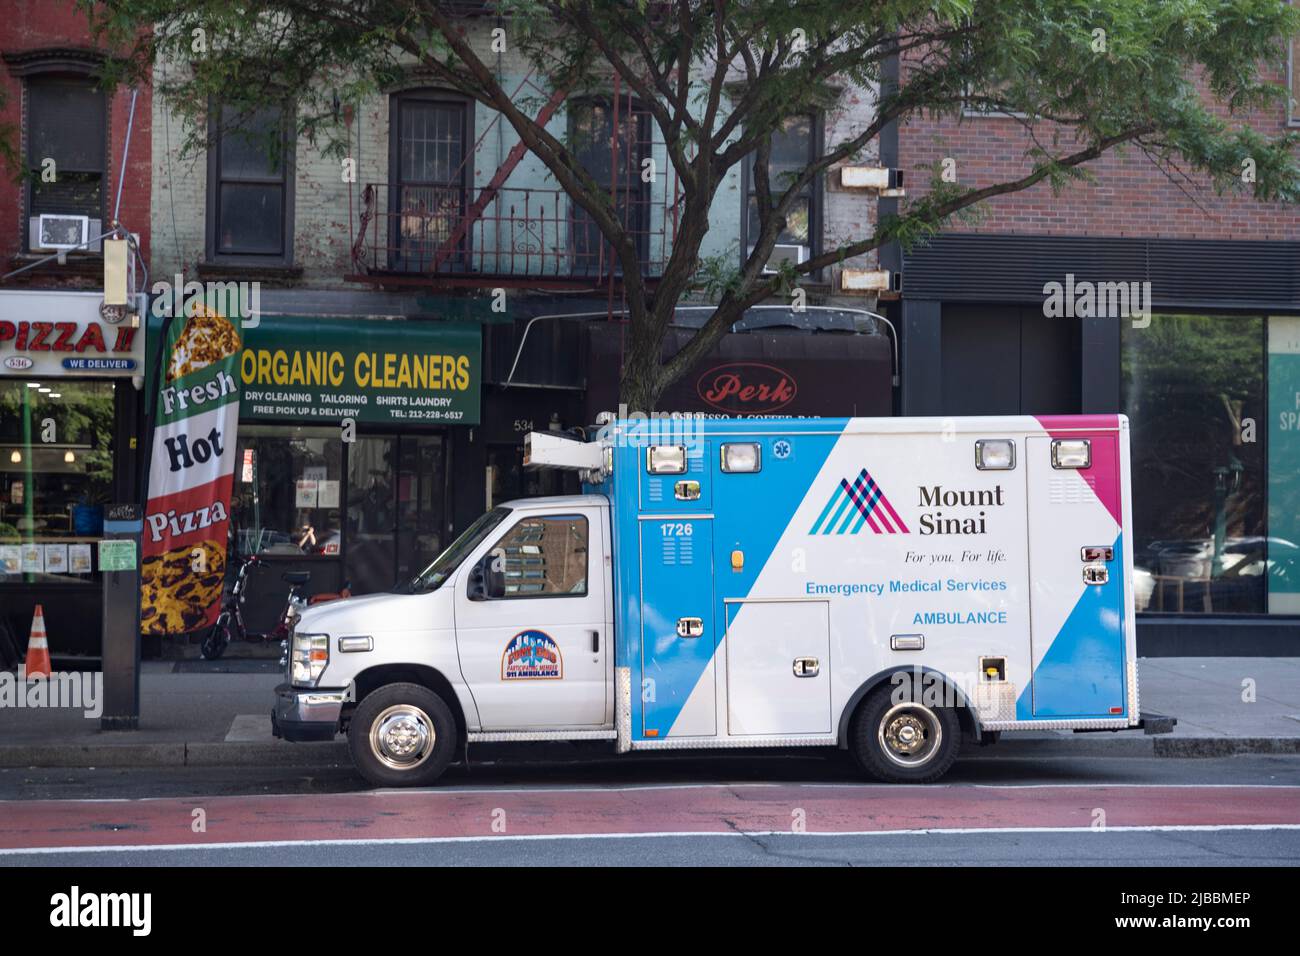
[787, 372]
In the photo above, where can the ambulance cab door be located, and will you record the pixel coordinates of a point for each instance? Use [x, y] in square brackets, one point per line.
[534, 656]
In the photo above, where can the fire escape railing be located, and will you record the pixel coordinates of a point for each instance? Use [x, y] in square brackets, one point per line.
[513, 234]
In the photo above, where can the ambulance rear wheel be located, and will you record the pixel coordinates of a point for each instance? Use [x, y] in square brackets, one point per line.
[402, 735]
[904, 741]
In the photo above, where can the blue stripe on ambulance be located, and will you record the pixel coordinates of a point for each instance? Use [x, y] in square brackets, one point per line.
[758, 512]
[1082, 673]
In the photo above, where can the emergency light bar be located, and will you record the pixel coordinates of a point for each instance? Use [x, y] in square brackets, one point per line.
[547, 450]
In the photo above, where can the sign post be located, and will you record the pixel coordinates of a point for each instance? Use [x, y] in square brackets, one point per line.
[119, 566]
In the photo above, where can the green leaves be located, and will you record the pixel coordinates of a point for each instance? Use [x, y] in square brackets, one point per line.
[1080, 76]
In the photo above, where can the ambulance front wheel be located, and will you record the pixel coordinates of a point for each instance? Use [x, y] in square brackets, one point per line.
[402, 735]
[904, 741]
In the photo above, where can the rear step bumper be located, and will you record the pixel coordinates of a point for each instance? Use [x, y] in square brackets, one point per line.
[1150, 724]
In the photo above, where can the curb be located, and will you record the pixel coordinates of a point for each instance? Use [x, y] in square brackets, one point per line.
[201, 754]
[1224, 746]
[335, 753]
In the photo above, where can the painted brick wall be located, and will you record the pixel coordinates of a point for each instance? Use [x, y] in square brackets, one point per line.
[327, 213]
[36, 25]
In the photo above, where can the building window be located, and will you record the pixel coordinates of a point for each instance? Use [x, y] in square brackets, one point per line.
[52, 494]
[65, 150]
[1194, 390]
[430, 179]
[614, 160]
[250, 196]
[795, 146]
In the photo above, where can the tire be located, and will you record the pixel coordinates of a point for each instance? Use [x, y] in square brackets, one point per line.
[904, 742]
[216, 642]
[402, 735]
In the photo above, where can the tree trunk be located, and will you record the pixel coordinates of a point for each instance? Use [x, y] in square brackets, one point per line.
[639, 388]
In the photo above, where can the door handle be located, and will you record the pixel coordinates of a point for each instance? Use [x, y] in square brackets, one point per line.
[690, 626]
[595, 642]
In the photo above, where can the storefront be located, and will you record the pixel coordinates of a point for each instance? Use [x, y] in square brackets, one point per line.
[350, 430]
[1213, 405]
[1207, 369]
[559, 372]
[830, 369]
[70, 409]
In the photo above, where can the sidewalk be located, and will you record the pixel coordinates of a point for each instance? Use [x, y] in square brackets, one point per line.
[199, 714]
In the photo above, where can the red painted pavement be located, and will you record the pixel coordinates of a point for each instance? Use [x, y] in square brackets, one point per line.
[693, 809]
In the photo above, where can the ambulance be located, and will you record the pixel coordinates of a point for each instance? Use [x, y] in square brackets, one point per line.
[890, 587]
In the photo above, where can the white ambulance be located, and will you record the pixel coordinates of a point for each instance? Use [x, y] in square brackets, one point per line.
[888, 586]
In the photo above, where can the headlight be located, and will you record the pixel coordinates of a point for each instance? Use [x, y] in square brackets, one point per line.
[307, 658]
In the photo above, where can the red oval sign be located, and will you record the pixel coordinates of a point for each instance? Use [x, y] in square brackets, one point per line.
[747, 387]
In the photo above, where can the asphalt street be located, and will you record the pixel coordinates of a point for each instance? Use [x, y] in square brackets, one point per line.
[736, 810]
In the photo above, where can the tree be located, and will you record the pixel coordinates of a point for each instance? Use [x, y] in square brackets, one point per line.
[719, 76]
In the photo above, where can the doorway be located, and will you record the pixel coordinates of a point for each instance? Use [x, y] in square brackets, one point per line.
[396, 508]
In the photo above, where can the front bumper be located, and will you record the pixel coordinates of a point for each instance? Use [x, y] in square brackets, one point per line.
[303, 714]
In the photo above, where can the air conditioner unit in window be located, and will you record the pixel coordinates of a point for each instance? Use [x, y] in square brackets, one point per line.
[784, 252]
[52, 232]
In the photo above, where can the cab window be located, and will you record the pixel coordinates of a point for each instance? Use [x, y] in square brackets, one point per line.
[545, 557]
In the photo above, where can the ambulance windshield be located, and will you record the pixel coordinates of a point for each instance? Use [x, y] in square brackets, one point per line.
[431, 578]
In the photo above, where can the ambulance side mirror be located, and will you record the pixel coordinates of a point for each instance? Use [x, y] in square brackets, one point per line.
[487, 580]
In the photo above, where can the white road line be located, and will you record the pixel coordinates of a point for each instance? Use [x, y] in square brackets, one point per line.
[749, 834]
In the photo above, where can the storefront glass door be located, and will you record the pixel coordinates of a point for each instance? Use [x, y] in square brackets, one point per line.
[372, 514]
[396, 508]
[421, 500]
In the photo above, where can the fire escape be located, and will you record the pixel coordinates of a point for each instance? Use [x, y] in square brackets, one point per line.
[439, 226]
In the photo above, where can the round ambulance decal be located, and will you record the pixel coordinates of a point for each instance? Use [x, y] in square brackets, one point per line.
[532, 655]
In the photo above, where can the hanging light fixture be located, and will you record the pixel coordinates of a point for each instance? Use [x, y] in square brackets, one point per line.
[16, 457]
[69, 457]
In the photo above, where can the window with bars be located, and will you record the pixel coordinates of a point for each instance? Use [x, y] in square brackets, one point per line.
[65, 124]
[249, 189]
[429, 136]
[615, 163]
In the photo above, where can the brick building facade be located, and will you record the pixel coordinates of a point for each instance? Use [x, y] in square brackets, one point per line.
[1207, 375]
[46, 45]
[69, 423]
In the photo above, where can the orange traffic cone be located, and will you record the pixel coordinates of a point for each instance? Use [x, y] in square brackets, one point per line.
[38, 649]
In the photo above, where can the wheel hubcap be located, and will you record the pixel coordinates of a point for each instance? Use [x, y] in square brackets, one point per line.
[910, 735]
[402, 737]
